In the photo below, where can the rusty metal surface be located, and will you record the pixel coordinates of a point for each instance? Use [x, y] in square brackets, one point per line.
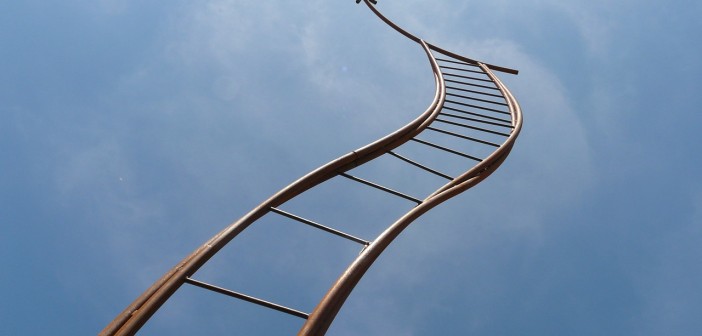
[319, 320]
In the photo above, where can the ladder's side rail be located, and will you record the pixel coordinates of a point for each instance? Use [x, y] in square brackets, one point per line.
[504, 149]
[140, 311]
[323, 315]
[433, 47]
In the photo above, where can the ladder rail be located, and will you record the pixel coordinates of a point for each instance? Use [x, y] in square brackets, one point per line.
[140, 311]
[322, 316]
[433, 47]
[319, 320]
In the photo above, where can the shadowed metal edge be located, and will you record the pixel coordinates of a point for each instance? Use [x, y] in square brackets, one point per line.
[323, 315]
[136, 315]
[139, 312]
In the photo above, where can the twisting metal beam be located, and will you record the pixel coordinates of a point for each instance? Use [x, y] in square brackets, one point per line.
[136, 314]
[317, 323]
[325, 312]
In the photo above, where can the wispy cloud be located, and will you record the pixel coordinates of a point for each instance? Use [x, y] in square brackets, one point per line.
[142, 130]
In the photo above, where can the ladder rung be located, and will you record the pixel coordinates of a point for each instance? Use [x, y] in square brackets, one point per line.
[378, 186]
[471, 84]
[320, 226]
[247, 298]
[474, 91]
[447, 149]
[471, 127]
[419, 165]
[468, 77]
[456, 62]
[478, 107]
[463, 136]
[461, 69]
[478, 99]
[477, 114]
[476, 120]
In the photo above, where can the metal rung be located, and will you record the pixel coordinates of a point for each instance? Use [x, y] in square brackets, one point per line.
[472, 127]
[463, 136]
[468, 77]
[447, 149]
[477, 114]
[478, 99]
[476, 92]
[478, 107]
[247, 298]
[476, 120]
[416, 164]
[377, 186]
[456, 62]
[461, 69]
[471, 84]
[320, 226]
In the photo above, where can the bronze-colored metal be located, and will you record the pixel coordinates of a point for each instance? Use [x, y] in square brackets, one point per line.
[322, 316]
[248, 298]
[435, 48]
[317, 323]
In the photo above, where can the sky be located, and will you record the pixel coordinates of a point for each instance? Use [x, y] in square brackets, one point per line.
[133, 131]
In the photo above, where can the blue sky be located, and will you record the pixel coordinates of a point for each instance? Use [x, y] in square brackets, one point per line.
[134, 131]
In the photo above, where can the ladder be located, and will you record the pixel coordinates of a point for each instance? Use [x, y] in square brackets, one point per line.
[473, 118]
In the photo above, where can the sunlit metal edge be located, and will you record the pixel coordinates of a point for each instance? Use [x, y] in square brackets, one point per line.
[140, 311]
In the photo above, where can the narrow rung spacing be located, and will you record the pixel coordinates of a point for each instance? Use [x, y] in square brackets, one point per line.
[456, 62]
[471, 84]
[477, 106]
[445, 149]
[461, 69]
[463, 136]
[476, 120]
[469, 77]
[379, 187]
[476, 99]
[477, 114]
[419, 165]
[471, 127]
[247, 298]
[320, 226]
[474, 91]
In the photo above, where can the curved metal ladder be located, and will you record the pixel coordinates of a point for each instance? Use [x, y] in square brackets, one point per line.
[472, 110]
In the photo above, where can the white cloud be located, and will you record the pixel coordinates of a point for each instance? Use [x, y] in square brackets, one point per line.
[549, 170]
[237, 43]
